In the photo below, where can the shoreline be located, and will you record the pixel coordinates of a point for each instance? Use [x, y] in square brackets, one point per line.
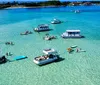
[15, 7]
[12, 5]
[51, 6]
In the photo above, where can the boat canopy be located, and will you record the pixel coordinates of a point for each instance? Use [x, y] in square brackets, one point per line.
[43, 25]
[49, 51]
[73, 31]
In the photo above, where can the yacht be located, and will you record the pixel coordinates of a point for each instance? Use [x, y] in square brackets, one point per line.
[42, 27]
[55, 21]
[71, 34]
[44, 59]
[50, 56]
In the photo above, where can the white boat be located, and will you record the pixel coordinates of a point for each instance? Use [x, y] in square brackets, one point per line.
[55, 21]
[77, 11]
[82, 51]
[74, 46]
[42, 27]
[49, 51]
[41, 60]
[72, 34]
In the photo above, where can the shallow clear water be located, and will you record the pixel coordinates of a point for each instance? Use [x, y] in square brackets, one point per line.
[76, 68]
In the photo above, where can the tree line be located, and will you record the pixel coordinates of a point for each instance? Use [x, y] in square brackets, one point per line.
[46, 3]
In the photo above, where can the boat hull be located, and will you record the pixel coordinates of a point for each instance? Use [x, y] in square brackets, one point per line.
[43, 62]
[55, 22]
[42, 30]
[72, 37]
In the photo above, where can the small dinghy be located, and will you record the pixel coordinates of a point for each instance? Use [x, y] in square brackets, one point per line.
[82, 50]
[19, 57]
[74, 46]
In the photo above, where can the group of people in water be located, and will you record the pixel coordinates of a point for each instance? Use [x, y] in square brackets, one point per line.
[12, 43]
[47, 37]
[26, 33]
[9, 54]
[43, 57]
[70, 50]
[9, 43]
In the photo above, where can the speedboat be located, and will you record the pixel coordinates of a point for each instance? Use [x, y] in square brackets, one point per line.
[72, 34]
[55, 21]
[42, 27]
[44, 59]
[49, 51]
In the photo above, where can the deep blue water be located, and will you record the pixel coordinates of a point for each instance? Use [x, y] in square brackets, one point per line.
[8, 16]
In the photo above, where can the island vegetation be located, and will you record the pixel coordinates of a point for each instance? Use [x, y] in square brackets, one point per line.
[46, 3]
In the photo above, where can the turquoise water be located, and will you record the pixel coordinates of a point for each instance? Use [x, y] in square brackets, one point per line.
[76, 68]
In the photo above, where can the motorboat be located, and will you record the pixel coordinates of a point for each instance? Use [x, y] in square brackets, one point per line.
[72, 34]
[49, 51]
[55, 21]
[42, 27]
[44, 59]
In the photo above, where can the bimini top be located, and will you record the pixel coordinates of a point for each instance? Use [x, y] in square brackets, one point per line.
[56, 20]
[43, 26]
[49, 51]
[72, 30]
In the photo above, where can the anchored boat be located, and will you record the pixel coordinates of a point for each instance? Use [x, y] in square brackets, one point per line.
[42, 27]
[44, 59]
[72, 34]
[50, 56]
[55, 21]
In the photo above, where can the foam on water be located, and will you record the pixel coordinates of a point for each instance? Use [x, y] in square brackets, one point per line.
[76, 69]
